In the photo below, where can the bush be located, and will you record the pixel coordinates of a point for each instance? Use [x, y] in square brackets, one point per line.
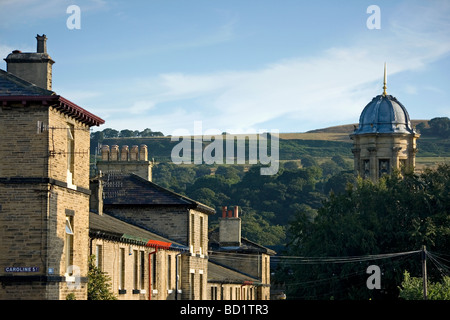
[412, 288]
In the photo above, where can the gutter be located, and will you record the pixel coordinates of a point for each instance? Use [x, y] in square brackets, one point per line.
[64, 105]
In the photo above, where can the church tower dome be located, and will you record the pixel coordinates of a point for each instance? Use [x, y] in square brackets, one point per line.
[384, 139]
[384, 114]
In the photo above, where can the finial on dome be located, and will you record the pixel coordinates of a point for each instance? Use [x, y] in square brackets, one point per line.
[385, 81]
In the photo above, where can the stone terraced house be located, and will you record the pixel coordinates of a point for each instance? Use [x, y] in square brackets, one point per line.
[44, 183]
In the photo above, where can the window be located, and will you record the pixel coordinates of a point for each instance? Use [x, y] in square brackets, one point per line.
[122, 269]
[70, 153]
[192, 230]
[169, 272]
[383, 167]
[99, 256]
[136, 270]
[69, 244]
[153, 263]
[366, 169]
[201, 286]
[214, 293]
[201, 235]
[142, 254]
[192, 295]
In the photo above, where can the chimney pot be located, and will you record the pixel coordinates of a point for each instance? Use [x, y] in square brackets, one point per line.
[41, 43]
[114, 155]
[134, 153]
[105, 152]
[124, 153]
[224, 212]
[143, 153]
[236, 208]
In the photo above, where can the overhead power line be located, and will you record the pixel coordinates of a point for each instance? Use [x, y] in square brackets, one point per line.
[345, 259]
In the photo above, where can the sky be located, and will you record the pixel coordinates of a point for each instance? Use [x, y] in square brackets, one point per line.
[237, 65]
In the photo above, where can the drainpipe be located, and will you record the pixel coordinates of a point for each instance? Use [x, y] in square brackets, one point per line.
[150, 273]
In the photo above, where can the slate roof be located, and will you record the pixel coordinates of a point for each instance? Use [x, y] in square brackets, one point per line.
[10, 85]
[132, 190]
[15, 89]
[218, 273]
[247, 246]
[107, 227]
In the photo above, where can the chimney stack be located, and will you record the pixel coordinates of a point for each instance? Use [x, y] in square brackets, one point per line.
[126, 160]
[96, 197]
[230, 228]
[34, 67]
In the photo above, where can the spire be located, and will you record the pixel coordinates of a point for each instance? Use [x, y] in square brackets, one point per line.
[385, 80]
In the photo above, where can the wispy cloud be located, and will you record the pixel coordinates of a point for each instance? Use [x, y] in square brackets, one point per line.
[332, 86]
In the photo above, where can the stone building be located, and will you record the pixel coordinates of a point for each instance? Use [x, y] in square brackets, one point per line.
[44, 183]
[138, 201]
[384, 140]
[229, 249]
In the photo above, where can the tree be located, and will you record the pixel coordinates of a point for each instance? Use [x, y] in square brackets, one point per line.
[99, 283]
[308, 161]
[126, 133]
[338, 183]
[98, 136]
[256, 228]
[396, 214]
[110, 133]
[146, 132]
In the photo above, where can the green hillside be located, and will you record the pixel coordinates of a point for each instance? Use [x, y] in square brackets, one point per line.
[319, 144]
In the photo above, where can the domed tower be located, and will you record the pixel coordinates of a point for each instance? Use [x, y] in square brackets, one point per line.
[384, 139]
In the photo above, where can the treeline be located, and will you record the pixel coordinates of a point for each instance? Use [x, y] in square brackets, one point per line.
[125, 133]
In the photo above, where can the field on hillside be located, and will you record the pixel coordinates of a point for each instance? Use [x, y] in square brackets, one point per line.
[319, 144]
